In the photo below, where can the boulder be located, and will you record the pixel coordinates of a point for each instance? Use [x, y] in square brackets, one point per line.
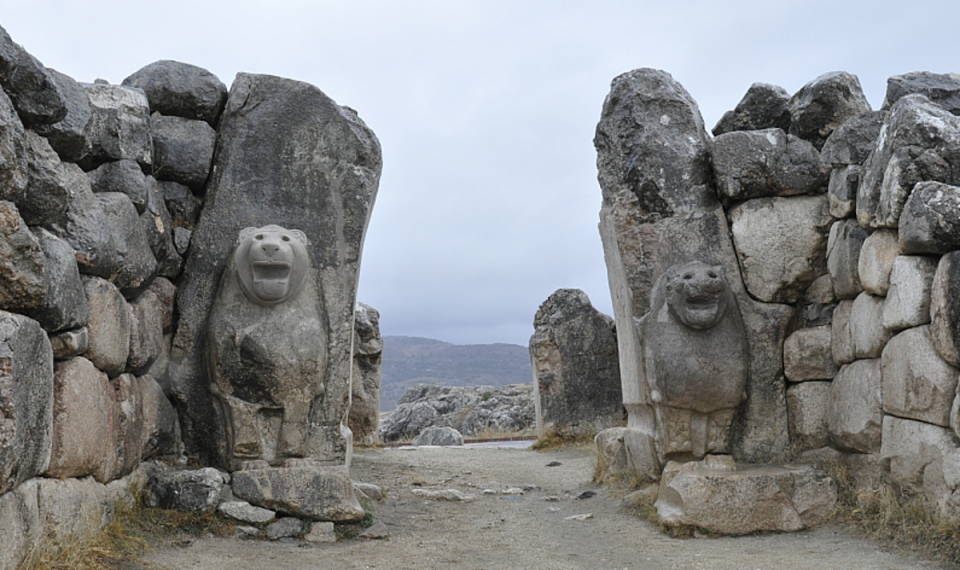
[165, 293]
[808, 355]
[280, 143]
[129, 407]
[439, 435]
[781, 243]
[755, 164]
[853, 141]
[575, 366]
[917, 383]
[820, 292]
[181, 90]
[945, 308]
[919, 141]
[73, 511]
[70, 343]
[314, 492]
[842, 190]
[941, 88]
[726, 498]
[158, 227]
[183, 206]
[245, 512]
[26, 398]
[628, 452]
[908, 299]
[364, 418]
[31, 87]
[822, 105]
[159, 431]
[875, 263]
[146, 332]
[65, 302]
[22, 264]
[188, 490]
[51, 186]
[119, 126]
[843, 257]
[930, 222]
[20, 527]
[764, 106]
[68, 136]
[841, 335]
[807, 404]
[866, 326]
[182, 149]
[122, 176]
[284, 527]
[109, 326]
[13, 154]
[854, 411]
[181, 240]
[923, 458]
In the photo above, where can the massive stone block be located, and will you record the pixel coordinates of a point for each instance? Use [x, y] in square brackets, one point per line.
[853, 141]
[854, 411]
[181, 90]
[286, 155]
[930, 222]
[364, 419]
[908, 299]
[119, 126]
[945, 308]
[923, 458]
[109, 326]
[807, 404]
[26, 400]
[808, 355]
[68, 136]
[866, 326]
[13, 154]
[843, 257]
[917, 383]
[756, 164]
[65, 302]
[20, 528]
[310, 491]
[875, 263]
[51, 184]
[182, 149]
[22, 265]
[764, 106]
[822, 105]
[32, 88]
[941, 88]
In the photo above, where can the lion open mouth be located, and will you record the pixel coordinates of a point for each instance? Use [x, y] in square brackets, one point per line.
[271, 278]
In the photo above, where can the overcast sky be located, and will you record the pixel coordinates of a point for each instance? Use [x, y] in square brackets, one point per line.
[486, 111]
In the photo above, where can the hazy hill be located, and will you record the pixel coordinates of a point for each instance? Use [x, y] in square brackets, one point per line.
[411, 360]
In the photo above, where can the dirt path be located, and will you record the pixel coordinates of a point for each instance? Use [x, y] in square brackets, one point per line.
[528, 531]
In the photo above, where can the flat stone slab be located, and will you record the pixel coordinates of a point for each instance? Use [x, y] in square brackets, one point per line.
[311, 492]
[726, 498]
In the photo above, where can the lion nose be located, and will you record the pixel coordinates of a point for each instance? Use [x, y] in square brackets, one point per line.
[270, 248]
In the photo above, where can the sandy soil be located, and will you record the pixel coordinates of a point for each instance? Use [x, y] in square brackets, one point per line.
[528, 531]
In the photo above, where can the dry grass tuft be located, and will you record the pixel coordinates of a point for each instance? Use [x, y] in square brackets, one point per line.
[557, 439]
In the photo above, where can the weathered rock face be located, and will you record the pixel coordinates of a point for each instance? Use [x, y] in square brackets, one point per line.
[576, 373]
[294, 491]
[824, 104]
[266, 346]
[182, 149]
[908, 299]
[194, 490]
[755, 164]
[181, 90]
[32, 88]
[26, 400]
[364, 419]
[853, 141]
[876, 259]
[763, 107]
[917, 383]
[119, 126]
[843, 257]
[807, 406]
[945, 308]
[854, 411]
[930, 222]
[439, 435]
[941, 88]
[722, 497]
[286, 155]
[68, 136]
[109, 327]
[13, 167]
[22, 265]
[808, 355]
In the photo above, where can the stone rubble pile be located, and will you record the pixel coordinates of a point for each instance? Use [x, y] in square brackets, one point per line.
[115, 219]
[837, 228]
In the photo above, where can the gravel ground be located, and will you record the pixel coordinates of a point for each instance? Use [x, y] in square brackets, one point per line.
[523, 531]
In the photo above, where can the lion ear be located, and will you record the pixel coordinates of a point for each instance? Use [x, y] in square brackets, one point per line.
[246, 232]
[719, 269]
[301, 237]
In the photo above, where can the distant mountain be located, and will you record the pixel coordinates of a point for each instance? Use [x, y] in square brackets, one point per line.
[411, 360]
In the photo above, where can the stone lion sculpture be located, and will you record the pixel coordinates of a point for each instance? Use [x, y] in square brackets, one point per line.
[266, 346]
[695, 360]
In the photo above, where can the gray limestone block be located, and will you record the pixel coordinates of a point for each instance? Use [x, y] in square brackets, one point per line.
[781, 243]
[930, 222]
[364, 418]
[68, 136]
[65, 303]
[73, 510]
[181, 90]
[165, 292]
[842, 190]
[764, 106]
[285, 527]
[843, 257]
[26, 398]
[134, 262]
[13, 167]
[853, 141]
[123, 176]
[908, 300]
[312, 492]
[146, 332]
[866, 326]
[808, 355]
[188, 490]
[51, 184]
[109, 326]
[326, 532]
[917, 383]
[182, 149]
[34, 91]
[159, 432]
[841, 336]
[754, 164]
[439, 435]
[911, 448]
[129, 408]
[183, 206]
[20, 528]
[854, 410]
[820, 291]
[22, 264]
[575, 366]
[822, 105]
[941, 88]
[919, 142]
[300, 148]
[875, 263]
[71, 343]
[158, 226]
[652, 148]
[119, 126]
[181, 240]
[245, 512]
[945, 308]
[807, 404]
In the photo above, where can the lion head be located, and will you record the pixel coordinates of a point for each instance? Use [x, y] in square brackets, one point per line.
[272, 263]
[697, 294]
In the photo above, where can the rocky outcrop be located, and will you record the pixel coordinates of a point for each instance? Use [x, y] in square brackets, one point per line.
[468, 409]
[576, 375]
[364, 419]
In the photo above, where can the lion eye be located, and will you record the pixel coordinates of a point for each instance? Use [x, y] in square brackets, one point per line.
[259, 236]
[712, 274]
[286, 238]
[687, 276]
